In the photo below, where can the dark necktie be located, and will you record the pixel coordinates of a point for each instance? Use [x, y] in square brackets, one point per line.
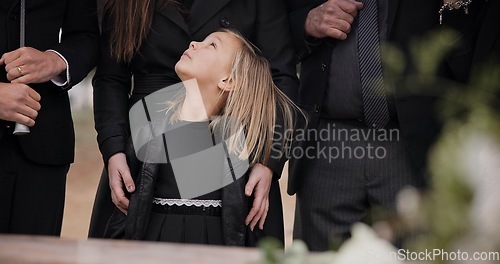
[375, 106]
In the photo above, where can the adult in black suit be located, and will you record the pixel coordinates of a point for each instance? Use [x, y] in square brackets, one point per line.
[263, 22]
[332, 194]
[33, 167]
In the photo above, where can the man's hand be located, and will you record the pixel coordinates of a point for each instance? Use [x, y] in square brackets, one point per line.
[28, 65]
[19, 103]
[332, 19]
[119, 174]
[259, 183]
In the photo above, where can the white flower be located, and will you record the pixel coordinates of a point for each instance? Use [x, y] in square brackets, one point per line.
[481, 164]
[409, 206]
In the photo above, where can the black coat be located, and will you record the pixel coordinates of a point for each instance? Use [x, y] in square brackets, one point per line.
[52, 139]
[264, 22]
[481, 38]
[487, 44]
[416, 112]
[235, 205]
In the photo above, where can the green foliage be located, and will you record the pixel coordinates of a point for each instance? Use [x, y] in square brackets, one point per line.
[428, 52]
[466, 111]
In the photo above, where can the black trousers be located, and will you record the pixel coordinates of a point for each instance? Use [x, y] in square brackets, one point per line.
[31, 195]
[351, 175]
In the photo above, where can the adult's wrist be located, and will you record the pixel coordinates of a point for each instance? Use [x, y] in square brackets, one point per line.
[111, 146]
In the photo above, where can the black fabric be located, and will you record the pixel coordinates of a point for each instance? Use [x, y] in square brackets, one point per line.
[481, 38]
[487, 47]
[107, 220]
[185, 9]
[187, 224]
[51, 140]
[331, 196]
[352, 187]
[192, 229]
[170, 36]
[33, 167]
[406, 20]
[3, 128]
[135, 225]
[334, 194]
[145, 84]
[234, 211]
[102, 210]
[31, 194]
[184, 224]
[343, 98]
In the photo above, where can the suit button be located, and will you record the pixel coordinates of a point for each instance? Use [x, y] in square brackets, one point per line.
[323, 67]
[13, 17]
[224, 22]
[316, 108]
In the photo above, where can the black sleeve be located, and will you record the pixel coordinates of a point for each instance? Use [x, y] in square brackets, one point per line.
[80, 39]
[298, 13]
[467, 26]
[112, 85]
[273, 37]
[278, 155]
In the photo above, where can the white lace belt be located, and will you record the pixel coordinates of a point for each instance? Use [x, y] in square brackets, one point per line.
[187, 202]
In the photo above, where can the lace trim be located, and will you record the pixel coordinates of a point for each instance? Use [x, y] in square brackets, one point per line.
[187, 202]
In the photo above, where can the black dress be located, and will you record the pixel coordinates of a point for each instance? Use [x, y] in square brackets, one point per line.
[196, 220]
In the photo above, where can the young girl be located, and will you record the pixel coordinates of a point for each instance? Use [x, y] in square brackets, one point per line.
[190, 187]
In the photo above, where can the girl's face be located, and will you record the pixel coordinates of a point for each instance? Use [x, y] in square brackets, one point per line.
[209, 61]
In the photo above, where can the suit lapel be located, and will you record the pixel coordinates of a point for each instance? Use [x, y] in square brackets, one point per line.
[393, 10]
[173, 14]
[202, 11]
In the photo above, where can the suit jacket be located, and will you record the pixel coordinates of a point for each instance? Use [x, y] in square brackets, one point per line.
[488, 41]
[264, 22]
[416, 112]
[51, 140]
[481, 38]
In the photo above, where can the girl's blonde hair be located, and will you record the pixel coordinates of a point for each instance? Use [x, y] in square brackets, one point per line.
[254, 104]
